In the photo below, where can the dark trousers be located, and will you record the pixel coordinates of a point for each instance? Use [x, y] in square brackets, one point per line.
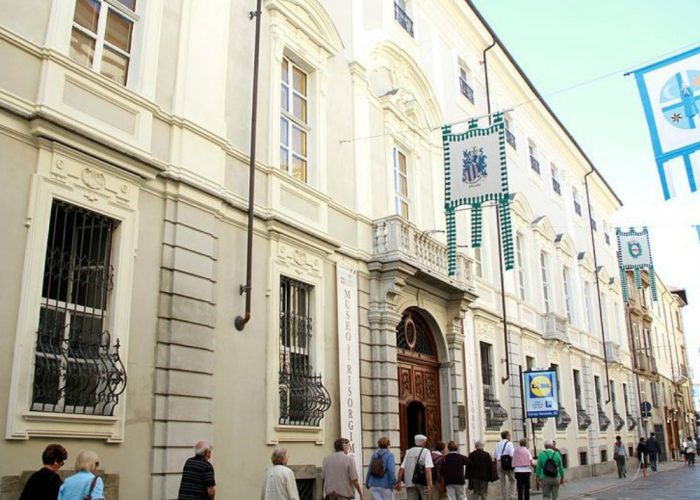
[691, 458]
[522, 481]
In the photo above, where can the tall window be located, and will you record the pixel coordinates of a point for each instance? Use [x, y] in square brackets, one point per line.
[478, 266]
[613, 396]
[465, 83]
[529, 362]
[604, 310]
[577, 390]
[521, 266]
[486, 351]
[567, 294]
[401, 200]
[401, 16]
[556, 186]
[545, 281]
[102, 35]
[594, 223]
[294, 123]
[654, 395]
[77, 369]
[303, 399]
[598, 394]
[510, 136]
[626, 400]
[534, 160]
[577, 201]
[555, 368]
[588, 304]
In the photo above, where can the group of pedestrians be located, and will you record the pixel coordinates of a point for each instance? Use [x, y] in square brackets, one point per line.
[648, 451]
[690, 448]
[46, 484]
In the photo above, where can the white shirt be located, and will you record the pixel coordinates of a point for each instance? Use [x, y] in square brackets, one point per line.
[279, 484]
[409, 463]
[504, 447]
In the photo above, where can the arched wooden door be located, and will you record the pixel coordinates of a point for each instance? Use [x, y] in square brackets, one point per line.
[419, 381]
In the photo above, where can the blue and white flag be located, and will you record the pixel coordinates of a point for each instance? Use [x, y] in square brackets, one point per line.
[634, 254]
[697, 228]
[475, 173]
[670, 92]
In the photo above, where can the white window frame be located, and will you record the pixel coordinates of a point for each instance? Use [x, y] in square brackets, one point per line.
[478, 262]
[520, 262]
[465, 76]
[100, 41]
[590, 308]
[401, 199]
[63, 174]
[544, 274]
[578, 210]
[566, 285]
[556, 183]
[533, 154]
[287, 114]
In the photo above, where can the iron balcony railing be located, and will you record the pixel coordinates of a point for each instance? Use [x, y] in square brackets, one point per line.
[466, 90]
[403, 19]
[510, 138]
[303, 399]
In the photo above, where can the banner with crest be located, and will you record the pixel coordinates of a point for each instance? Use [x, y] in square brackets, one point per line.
[634, 254]
[670, 93]
[476, 173]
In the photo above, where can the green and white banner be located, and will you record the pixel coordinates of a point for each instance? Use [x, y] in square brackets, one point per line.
[475, 173]
[634, 254]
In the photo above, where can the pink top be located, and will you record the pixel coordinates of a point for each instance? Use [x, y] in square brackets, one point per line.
[522, 459]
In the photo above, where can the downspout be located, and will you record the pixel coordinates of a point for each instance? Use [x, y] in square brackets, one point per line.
[241, 321]
[498, 226]
[597, 285]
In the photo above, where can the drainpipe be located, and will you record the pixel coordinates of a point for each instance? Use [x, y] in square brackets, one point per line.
[597, 285]
[241, 321]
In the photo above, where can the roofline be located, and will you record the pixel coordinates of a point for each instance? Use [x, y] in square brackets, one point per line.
[539, 96]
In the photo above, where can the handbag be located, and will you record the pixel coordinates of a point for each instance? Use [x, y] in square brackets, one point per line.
[419, 472]
[506, 460]
[92, 487]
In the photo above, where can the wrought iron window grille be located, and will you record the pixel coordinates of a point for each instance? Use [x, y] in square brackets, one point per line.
[403, 19]
[466, 89]
[303, 397]
[77, 368]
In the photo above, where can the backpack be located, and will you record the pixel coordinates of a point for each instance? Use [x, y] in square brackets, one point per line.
[376, 467]
[549, 468]
[419, 472]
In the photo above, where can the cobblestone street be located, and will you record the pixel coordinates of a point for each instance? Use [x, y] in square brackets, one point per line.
[680, 483]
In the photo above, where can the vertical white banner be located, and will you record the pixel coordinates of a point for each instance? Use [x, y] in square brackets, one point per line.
[349, 361]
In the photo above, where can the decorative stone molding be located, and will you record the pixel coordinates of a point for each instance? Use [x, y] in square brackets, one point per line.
[563, 419]
[302, 262]
[584, 420]
[619, 422]
[603, 420]
[631, 423]
[494, 413]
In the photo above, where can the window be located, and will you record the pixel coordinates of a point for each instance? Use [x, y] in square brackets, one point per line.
[567, 294]
[510, 136]
[529, 362]
[77, 369]
[577, 390]
[606, 233]
[590, 311]
[556, 186]
[521, 266]
[654, 395]
[401, 199]
[603, 455]
[594, 224]
[465, 86]
[577, 201]
[478, 267]
[303, 399]
[486, 351]
[101, 36]
[294, 120]
[613, 396]
[545, 281]
[555, 368]
[401, 16]
[534, 162]
[596, 383]
[625, 398]
[604, 311]
[583, 458]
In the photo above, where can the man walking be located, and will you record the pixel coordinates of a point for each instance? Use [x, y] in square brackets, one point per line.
[453, 473]
[279, 483]
[417, 456]
[339, 474]
[504, 463]
[620, 456]
[653, 450]
[480, 472]
[197, 481]
[550, 471]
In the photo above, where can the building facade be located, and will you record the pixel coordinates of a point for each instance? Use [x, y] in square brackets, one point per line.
[124, 126]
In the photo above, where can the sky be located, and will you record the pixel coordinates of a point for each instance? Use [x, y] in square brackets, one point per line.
[576, 54]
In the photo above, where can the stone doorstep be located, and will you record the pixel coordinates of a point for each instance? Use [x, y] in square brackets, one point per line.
[11, 486]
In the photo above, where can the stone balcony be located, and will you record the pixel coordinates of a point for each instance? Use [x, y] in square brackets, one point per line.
[556, 328]
[395, 239]
[612, 352]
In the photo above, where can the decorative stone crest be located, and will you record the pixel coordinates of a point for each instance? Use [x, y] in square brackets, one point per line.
[93, 179]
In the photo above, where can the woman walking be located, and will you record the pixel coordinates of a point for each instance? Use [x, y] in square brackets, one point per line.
[522, 465]
[84, 483]
[381, 473]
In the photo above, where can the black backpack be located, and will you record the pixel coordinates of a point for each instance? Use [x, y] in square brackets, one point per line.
[376, 467]
[549, 468]
[506, 460]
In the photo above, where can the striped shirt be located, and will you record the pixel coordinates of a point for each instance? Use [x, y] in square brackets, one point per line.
[197, 476]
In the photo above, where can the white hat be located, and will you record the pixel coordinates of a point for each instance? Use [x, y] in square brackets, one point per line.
[420, 438]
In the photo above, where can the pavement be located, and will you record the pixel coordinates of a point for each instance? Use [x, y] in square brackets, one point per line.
[674, 480]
